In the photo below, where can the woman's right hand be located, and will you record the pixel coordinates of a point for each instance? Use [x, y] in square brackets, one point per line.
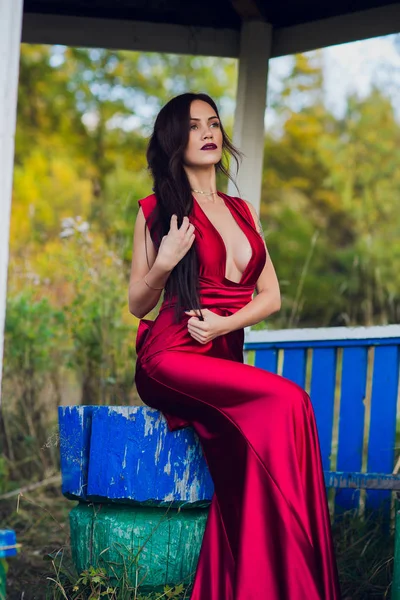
[176, 244]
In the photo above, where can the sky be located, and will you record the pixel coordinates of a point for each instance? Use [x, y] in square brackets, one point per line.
[354, 67]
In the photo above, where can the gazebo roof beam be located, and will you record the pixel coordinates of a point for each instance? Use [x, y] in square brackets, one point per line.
[351, 27]
[92, 32]
[179, 39]
[248, 10]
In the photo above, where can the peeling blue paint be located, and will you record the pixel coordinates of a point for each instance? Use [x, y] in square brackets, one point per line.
[74, 427]
[127, 454]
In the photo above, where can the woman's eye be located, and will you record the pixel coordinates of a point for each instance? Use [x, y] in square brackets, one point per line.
[193, 127]
[215, 124]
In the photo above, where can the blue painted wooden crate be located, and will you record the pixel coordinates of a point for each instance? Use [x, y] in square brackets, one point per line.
[352, 376]
[8, 547]
[8, 543]
[127, 454]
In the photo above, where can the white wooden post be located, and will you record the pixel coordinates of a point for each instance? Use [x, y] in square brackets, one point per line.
[251, 97]
[10, 38]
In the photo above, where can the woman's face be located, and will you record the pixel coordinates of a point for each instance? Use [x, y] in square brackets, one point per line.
[205, 137]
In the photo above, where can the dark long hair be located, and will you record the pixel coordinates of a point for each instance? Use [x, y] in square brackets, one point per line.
[172, 189]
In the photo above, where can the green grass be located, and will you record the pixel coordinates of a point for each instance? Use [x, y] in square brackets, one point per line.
[43, 570]
[364, 550]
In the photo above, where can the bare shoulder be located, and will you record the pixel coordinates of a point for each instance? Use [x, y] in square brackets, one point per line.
[256, 218]
[252, 209]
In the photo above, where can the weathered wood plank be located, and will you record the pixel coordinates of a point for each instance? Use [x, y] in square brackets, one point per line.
[332, 336]
[166, 542]
[127, 454]
[382, 430]
[351, 423]
[133, 456]
[267, 360]
[322, 394]
[294, 365]
[368, 481]
[75, 424]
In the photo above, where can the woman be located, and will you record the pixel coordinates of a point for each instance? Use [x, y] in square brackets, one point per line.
[268, 533]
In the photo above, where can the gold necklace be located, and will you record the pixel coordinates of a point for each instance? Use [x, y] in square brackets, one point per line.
[206, 193]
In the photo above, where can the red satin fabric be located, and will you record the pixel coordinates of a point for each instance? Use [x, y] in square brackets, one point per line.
[268, 533]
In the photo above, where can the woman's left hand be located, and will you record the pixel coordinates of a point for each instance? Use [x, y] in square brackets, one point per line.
[205, 331]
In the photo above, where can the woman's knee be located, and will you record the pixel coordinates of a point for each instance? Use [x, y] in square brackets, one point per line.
[291, 396]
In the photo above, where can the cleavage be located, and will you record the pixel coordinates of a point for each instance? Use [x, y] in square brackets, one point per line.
[238, 250]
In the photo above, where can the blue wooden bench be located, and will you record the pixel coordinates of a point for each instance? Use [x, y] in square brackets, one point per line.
[143, 494]
[352, 376]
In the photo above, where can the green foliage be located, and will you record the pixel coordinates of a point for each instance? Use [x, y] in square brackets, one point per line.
[94, 583]
[83, 120]
[32, 336]
[33, 348]
[364, 549]
[102, 337]
[3, 566]
[336, 179]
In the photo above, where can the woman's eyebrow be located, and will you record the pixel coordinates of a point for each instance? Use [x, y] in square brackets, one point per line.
[209, 118]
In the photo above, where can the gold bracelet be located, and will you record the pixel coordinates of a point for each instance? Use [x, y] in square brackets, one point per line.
[149, 286]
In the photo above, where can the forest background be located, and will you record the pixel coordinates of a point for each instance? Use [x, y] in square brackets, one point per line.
[329, 210]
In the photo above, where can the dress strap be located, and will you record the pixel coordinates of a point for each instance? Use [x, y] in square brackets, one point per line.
[149, 205]
[243, 209]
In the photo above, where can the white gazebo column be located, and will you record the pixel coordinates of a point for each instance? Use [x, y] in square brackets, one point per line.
[10, 38]
[251, 97]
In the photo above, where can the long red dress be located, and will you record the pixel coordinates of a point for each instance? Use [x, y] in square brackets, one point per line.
[268, 532]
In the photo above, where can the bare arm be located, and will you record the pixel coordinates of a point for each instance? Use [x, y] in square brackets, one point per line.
[142, 299]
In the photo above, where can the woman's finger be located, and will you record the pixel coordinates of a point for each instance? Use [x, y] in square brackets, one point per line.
[198, 338]
[190, 229]
[196, 326]
[185, 224]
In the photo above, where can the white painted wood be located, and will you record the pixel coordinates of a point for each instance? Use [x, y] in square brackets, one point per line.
[251, 98]
[129, 35]
[10, 36]
[359, 25]
[323, 334]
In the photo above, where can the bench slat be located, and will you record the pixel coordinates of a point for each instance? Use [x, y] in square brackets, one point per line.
[294, 366]
[322, 395]
[351, 421]
[368, 481]
[382, 432]
[267, 360]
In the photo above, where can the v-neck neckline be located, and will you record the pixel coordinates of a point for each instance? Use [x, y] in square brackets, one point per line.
[226, 201]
